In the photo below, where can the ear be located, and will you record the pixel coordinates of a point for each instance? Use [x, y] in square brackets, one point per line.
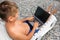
[10, 18]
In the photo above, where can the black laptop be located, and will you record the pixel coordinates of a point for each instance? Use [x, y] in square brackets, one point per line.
[41, 15]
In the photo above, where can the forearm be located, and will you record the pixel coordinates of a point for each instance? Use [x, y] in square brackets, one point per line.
[24, 19]
[28, 18]
[36, 24]
[31, 34]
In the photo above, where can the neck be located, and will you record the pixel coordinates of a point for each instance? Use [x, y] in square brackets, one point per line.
[10, 22]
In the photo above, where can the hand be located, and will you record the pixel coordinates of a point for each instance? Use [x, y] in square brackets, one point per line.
[36, 24]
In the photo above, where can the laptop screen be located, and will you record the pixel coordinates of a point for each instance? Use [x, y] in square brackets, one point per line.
[41, 14]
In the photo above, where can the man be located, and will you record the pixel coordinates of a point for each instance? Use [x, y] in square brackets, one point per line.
[17, 29]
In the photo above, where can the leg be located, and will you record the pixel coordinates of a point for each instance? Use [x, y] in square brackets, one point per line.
[54, 11]
[49, 8]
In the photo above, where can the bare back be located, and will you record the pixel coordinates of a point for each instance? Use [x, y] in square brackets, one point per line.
[17, 28]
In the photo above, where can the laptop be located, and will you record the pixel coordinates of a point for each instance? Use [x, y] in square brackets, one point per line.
[41, 15]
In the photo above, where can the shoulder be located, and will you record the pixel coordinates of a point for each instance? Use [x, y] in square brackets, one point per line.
[19, 21]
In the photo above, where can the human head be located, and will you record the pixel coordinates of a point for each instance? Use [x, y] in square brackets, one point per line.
[8, 11]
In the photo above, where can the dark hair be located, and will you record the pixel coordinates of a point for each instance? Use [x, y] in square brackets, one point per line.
[7, 9]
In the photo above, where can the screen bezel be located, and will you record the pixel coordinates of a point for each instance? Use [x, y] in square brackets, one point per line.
[38, 18]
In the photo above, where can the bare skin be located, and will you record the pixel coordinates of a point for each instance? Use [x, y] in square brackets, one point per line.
[18, 30]
[49, 9]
